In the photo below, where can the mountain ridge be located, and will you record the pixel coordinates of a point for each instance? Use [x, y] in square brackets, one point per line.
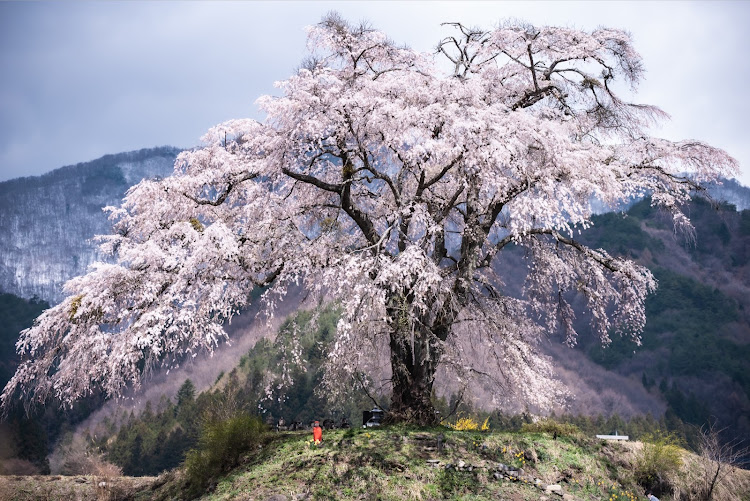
[47, 222]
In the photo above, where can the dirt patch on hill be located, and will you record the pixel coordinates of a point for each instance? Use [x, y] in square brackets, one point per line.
[78, 488]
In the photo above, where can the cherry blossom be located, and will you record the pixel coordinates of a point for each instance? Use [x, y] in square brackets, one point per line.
[383, 182]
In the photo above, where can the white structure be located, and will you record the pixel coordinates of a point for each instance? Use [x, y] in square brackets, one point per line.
[613, 437]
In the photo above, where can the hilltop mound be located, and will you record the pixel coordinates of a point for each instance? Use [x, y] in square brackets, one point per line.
[396, 463]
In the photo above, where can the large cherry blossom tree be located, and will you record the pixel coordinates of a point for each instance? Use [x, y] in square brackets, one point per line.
[390, 181]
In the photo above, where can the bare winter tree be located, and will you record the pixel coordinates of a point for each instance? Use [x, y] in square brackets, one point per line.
[720, 458]
[391, 186]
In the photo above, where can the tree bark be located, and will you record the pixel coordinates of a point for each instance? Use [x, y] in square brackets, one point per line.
[413, 374]
[416, 350]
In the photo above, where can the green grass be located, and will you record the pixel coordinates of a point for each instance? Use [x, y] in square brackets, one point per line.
[390, 463]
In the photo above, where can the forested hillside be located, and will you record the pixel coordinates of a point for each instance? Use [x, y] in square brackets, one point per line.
[696, 344]
[28, 436]
[47, 222]
[24, 442]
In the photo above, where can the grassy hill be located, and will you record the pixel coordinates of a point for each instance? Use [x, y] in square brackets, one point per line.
[396, 463]
[400, 463]
[405, 463]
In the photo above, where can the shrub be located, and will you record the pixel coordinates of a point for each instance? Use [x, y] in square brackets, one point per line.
[220, 447]
[76, 457]
[659, 462]
[550, 426]
[469, 424]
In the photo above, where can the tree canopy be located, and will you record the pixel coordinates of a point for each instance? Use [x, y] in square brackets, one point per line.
[391, 181]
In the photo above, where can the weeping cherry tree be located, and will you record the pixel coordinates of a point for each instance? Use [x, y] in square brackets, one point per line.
[389, 181]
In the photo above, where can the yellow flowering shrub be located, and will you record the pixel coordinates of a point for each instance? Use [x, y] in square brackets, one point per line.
[470, 424]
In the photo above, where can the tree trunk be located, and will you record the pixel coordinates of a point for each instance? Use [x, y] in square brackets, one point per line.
[413, 374]
[415, 354]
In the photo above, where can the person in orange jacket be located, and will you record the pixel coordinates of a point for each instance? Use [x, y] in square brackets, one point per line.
[317, 433]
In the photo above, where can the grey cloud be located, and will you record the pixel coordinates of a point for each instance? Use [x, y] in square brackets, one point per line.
[80, 80]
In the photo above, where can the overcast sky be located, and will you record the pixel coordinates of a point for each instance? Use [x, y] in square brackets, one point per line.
[81, 79]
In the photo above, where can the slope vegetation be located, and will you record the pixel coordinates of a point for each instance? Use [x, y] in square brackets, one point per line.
[395, 463]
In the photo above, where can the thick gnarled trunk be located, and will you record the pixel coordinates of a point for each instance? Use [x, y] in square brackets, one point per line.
[413, 364]
[415, 355]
